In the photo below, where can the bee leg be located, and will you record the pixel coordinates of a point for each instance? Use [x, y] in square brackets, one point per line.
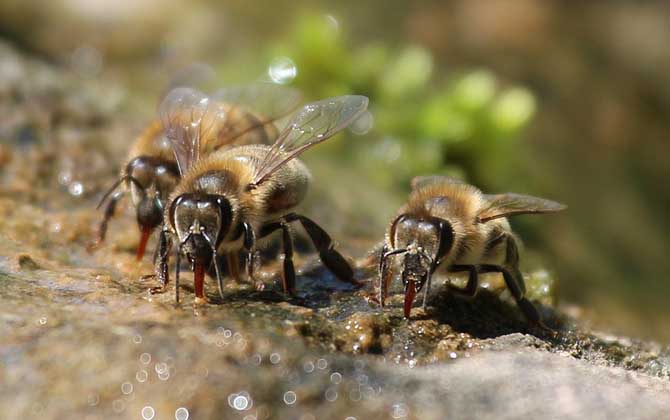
[233, 262]
[249, 243]
[514, 282]
[470, 289]
[323, 243]
[288, 270]
[102, 229]
[161, 265]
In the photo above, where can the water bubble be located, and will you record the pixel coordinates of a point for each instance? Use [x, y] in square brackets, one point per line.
[332, 21]
[148, 412]
[336, 378]
[308, 367]
[399, 411]
[137, 339]
[141, 375]
[118, 406]
[43, 320]
[76, 189]
[331, 394]
[240, 403]
[282, 70]
[227, 333]
[64, 178]
[181, 414]
[256, 359]
[145, 358]
[126, 388]
[322, 364]
[164, 376]
[363, 124]
[93, 399]
[160, 368]
[275, 358]
[350, 418]
[290, 397]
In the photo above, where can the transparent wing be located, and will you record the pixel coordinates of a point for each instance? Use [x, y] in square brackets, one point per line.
[503, 205]
[252, 107]
[187, 116]
[424, 181]
[314, 123]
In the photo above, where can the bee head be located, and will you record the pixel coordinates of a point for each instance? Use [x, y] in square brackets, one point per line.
[150, 180]
[200, 221]
[423, 242]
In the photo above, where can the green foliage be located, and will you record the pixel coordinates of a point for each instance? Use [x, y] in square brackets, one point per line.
[423, 122]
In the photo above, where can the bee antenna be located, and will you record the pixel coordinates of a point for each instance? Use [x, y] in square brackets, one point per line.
[215, 255]
[178, 261]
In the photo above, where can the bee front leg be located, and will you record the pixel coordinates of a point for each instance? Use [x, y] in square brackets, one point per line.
[324, 244]
[102, 229]
[161, 262]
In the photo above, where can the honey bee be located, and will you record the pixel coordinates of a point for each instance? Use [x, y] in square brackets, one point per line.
[449, 225]
[245, 115]
[227, 201]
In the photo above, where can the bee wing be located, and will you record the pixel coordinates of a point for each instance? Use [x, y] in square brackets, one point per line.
[313, 124]
[503, 205]
[424, 181]
[265, 103]
[187, 116]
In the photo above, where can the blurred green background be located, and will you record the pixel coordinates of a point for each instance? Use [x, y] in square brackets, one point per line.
[546, 98]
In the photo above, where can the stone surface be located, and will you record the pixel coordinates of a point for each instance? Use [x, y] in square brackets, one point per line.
[80, 336]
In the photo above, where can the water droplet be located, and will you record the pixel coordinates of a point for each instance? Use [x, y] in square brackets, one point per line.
[126, 388]
[240, 403]
[322, 364]
[363, 124]
[161, 368]
[164, 376]
[350, 418]
[282, 70]
[93, 399]
[308, 367]
[137, 339]
[275, 358]
[336, 378]
[399, 411]
[64, 178]
[148, 412]
[331, 394]
[141, 375]
[290, 397]
[43, 320]
[332, 21]
[76, 189]
[181, 414]
[118, 406]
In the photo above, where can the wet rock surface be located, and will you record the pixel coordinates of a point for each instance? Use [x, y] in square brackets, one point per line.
[81, 337]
